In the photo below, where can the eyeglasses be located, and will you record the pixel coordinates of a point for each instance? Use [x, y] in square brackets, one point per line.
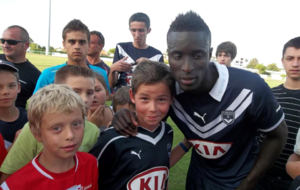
[11, 42]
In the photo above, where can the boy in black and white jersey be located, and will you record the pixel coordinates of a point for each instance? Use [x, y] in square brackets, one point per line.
[142, 161]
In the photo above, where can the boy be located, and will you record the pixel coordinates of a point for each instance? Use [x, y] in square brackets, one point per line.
[12, 118]
[226, 53]
[76, 41]
[132, 52]
[26, 147]
[132, 163]
[122, 99]
[56, 116]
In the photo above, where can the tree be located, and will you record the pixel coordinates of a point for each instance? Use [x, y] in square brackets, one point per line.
[252, 64]
[261, 69]
[273, 67]
[112, 51]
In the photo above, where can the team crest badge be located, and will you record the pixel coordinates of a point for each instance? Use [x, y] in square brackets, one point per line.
[228, 117]
[169, 148]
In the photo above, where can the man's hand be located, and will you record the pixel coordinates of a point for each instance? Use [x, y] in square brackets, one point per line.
[96, 117]
[125, 122]
[121, 66]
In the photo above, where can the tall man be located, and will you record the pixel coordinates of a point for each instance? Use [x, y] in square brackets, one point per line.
[288, 96]
[226, 53]
[15, 42]
[218, 109]
[96, 46]
[76, 41]
[131, 52]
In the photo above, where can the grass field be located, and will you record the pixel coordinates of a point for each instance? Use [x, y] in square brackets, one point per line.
[179, 171]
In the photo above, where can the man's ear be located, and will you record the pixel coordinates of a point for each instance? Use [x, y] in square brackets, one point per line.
[64, 43]
[210, 52]
[131, 96]
[149, 30]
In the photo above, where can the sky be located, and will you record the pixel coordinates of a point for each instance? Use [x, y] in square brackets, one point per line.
[258, 28]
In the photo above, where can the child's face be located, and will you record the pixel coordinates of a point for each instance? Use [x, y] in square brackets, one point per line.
[61, 134]
[99, 95]
[126, 106]
[9, 89]
[84, 87]
[152, 103]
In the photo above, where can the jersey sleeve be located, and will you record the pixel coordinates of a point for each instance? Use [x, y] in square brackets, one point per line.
[105, 150]
[266, 113]
[43, 80]
[162, 58]
[22, 152]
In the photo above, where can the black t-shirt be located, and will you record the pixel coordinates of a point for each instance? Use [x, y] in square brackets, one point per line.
[102, 65]
[29, 75]
[9, 129]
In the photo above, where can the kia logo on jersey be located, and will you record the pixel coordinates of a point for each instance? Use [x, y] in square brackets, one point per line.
[228, 117]
[210, 150]
[151, 179]
[128, 79]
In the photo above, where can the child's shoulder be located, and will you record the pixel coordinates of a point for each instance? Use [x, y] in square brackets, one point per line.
[86, 158]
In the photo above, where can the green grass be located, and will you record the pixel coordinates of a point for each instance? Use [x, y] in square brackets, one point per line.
[178, 172]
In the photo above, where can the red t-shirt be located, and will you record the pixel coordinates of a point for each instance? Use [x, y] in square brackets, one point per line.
[3, 151]
[84, 175]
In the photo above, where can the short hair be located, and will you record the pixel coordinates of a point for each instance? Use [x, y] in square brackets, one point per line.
[122, 97]
[101, 80]
[140, 17]
[152, 72]
[24, 34]
[295, 42]
[76, 25]
[189, 22]
[53, 98]
[227, 47]
[10, 70]
[72, 70]
[101, 37]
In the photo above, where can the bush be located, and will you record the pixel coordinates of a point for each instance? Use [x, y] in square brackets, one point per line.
[283, 75]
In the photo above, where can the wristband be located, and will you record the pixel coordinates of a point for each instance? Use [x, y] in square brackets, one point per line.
[183, 147]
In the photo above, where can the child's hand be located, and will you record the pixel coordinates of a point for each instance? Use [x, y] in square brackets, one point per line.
[96, 117]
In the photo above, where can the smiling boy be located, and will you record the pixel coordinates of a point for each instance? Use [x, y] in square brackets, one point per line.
[56, 116]
[132, 163]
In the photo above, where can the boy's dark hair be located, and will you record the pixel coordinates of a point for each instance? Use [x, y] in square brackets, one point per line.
[101, 37]
[122, 97]
[295, 42]
[76, 25]
[101, 79]
[189, 22]
[13, 72]
[72, 70]
[151, 72]
[24, 34]
[140, 17]
[228, 48]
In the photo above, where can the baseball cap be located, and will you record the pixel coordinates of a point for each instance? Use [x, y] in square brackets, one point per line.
[8, 64]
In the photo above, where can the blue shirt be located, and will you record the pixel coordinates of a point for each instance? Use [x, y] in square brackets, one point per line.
[222, 125]
[47, 76]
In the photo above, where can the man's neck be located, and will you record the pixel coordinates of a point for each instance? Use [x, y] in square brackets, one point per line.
[16, 60]
[9, 114]
[55, 164]
[79, 63]
[141, 46]
[292, 84]
[93, 59]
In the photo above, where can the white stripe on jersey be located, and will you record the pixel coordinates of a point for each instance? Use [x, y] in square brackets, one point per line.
[274, 126]
[123, 52]
[156, 57]
[202, 131]
[111, 140]
[4, 186]
[150, 139]
[40, 170]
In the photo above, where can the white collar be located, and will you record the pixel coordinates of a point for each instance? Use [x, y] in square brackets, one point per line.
[220, 86]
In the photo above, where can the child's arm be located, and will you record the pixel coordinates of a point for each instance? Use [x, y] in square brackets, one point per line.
[293, 166]
[179, 151]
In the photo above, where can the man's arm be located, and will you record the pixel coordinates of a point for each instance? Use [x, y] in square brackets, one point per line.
[269, 151]
[178, 152]
[125, 122]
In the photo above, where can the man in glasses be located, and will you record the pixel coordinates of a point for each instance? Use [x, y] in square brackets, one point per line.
[15, 42]
[130, 53]
[96, 46]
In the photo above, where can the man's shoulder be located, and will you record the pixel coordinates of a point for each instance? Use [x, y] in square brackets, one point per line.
[279, 87]
[97, 69]
[154, 49]
[124, 44]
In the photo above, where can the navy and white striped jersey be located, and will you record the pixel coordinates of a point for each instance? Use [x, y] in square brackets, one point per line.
[222, 124]
[127, 49]
[139, 162]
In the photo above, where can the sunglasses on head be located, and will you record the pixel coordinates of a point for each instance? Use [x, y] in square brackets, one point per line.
[11, 42]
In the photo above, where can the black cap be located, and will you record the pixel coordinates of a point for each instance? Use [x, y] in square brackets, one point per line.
[8, 64]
